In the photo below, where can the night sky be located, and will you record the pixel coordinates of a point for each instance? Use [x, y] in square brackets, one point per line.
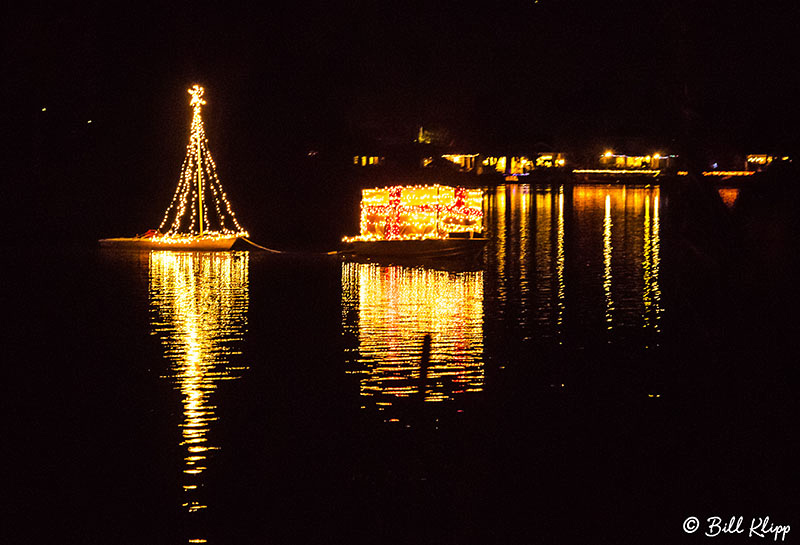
[284, 79]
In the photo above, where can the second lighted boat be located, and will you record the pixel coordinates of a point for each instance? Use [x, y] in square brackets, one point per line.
[431, 221]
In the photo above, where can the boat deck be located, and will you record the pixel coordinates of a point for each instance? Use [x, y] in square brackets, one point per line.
[188, 244]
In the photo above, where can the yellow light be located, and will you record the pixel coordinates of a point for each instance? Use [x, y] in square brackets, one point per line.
[608, 153]
[724, 173]
[656, 156]
[651, 172]
[197, 97]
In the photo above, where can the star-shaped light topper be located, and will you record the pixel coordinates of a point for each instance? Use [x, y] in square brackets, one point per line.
[197, 96]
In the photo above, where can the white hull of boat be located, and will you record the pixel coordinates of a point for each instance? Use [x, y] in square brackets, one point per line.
[187, 244]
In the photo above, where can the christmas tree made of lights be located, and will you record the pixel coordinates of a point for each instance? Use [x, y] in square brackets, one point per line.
[199, 207]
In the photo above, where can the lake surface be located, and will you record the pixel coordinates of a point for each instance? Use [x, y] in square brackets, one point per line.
[585, 382]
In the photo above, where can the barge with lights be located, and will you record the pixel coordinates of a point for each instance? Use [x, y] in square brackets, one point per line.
[418, 222]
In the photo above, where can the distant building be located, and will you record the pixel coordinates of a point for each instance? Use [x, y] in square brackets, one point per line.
[522, 165]
[550, 160]
[758, 161]
[510, 165]
[435, 137]
[424, 137]
[465, 162]
[656, 161]
[368, 160]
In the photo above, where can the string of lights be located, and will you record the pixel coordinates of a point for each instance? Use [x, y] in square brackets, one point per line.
[189, 215]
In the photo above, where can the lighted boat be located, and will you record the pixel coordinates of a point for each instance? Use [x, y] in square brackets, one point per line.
[425, 222]
[157, 241]
[199, 216]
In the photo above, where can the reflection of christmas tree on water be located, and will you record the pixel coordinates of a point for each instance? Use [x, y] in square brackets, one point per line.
[200, 303]
[199, 186]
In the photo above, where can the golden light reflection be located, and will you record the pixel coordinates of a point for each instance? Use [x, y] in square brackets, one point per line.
[543, 256]
[387, 311]
[628, 247]
[500, 214]
[524, 220]
[591, 249]
[647, 292]
[560, 262]
[607, 248]
[527, 257]
[199, 302]
[652, 282]
[729, 195]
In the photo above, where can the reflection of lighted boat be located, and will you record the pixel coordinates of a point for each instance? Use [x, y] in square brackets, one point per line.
[386, 313]
[200, 216]
[418, 222]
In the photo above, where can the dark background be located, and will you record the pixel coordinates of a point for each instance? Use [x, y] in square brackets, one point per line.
[281, 81]
[284, 79]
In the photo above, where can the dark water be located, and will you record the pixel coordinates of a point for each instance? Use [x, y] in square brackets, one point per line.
[598, 376]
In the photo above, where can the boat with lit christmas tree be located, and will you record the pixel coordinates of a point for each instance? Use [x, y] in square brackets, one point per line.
[420, 222]
[199, 216]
